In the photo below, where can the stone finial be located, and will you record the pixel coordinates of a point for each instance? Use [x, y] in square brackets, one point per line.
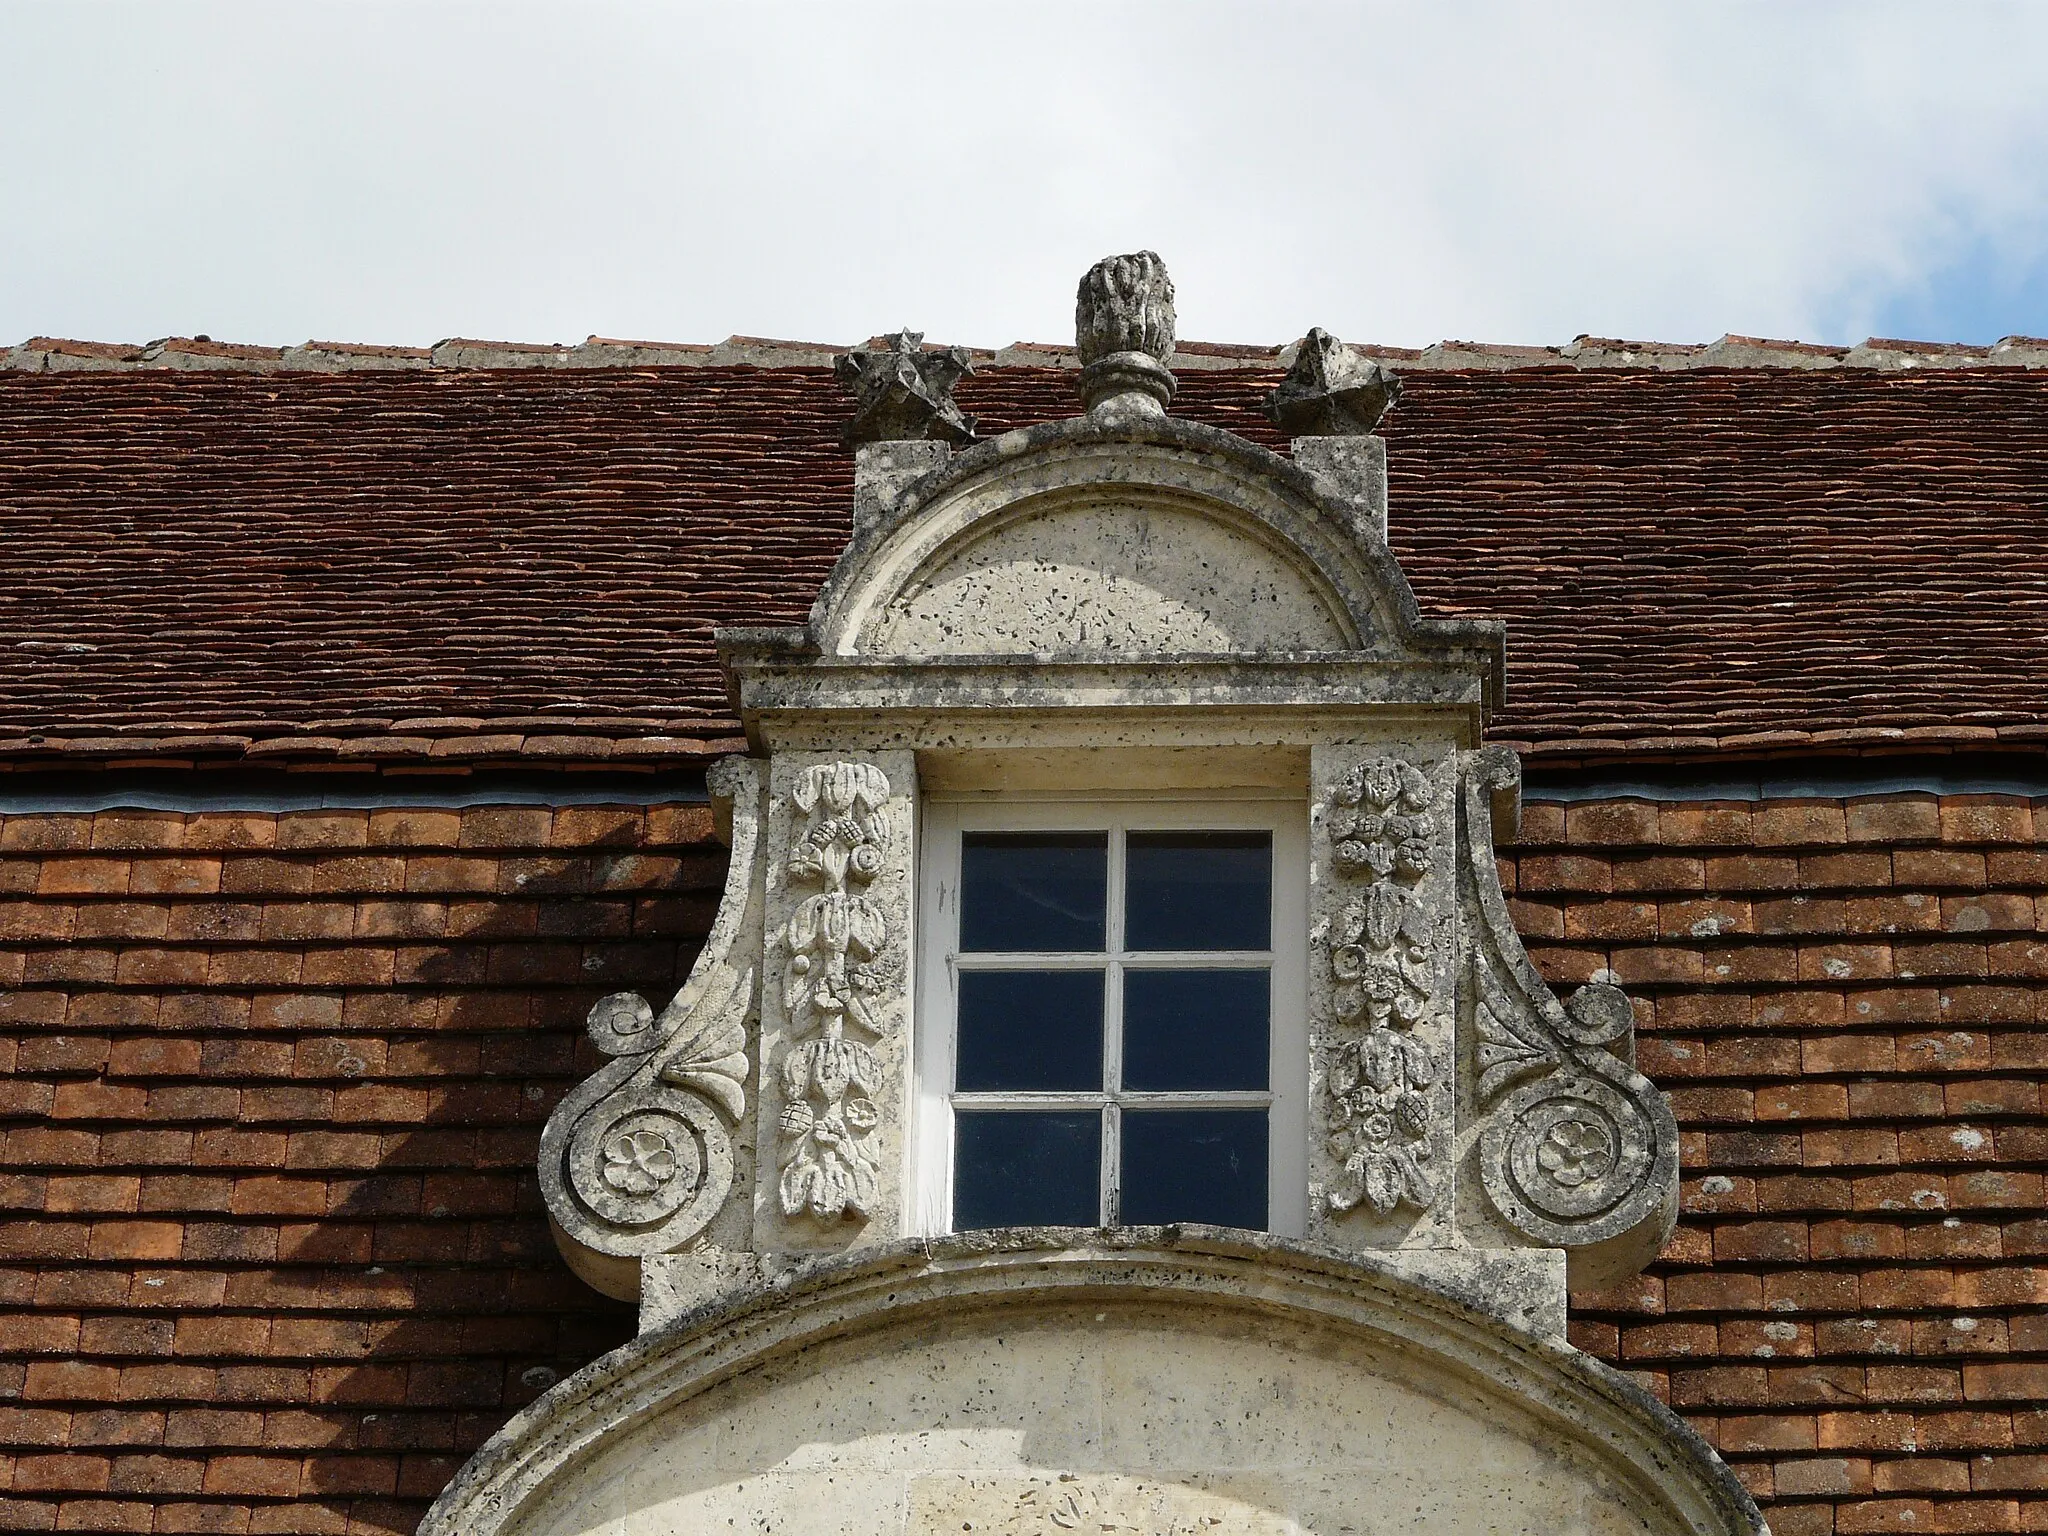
[1332, 391]
[904, 393]
[1123, 330]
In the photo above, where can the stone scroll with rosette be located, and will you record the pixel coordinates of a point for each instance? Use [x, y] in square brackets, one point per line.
[640, 1158]
[1575, 1148]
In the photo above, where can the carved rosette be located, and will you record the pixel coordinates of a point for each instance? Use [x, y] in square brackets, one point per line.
[1377, 1071]
[638, 1159]
[843, 962]
[1576, 1148]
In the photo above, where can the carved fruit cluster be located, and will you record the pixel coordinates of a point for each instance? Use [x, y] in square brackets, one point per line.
[1382, 953]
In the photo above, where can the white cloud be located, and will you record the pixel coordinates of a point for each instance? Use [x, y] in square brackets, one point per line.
[1397, 173]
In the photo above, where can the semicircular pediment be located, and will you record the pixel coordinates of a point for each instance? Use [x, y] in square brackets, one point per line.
[1109, 573]
[1167, 540]
[1210, 1383]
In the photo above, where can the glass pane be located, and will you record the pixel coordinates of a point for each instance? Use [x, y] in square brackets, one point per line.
[1026, 1030]
[1195, 1165]
[1195, 1029]
[1043, 892]
[1026, 1168]
[1199, 890]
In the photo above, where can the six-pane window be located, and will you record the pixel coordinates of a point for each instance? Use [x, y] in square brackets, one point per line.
[1113, 1010]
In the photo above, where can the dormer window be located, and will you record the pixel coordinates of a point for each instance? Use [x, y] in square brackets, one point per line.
[1115, 849]
[1111, 1023]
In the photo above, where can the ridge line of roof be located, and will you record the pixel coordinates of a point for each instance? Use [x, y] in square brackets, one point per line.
[46, 354]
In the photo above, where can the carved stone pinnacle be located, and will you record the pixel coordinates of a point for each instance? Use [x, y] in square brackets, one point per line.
[1123, 330]
[1332, 391]
[904, 393]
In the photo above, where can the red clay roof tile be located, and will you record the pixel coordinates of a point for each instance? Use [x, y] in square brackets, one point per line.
[539, 555]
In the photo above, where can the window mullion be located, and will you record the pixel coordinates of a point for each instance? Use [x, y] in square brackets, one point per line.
[1113, 1031]
[1112, 1141]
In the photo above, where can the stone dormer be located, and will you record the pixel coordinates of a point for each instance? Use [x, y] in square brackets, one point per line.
[1109, 661]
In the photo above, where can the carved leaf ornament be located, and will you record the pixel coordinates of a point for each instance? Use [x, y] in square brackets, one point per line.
[1382, 952]
[842, 957]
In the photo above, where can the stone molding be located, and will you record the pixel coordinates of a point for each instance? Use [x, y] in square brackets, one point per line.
[767, 1324]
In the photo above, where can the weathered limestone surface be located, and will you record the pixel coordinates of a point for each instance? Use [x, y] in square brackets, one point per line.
[1174, 1381]
[1382, 997]
[882, 472]
[1109, 576]
[1332, 391]
[903, 392]
[1351, 471]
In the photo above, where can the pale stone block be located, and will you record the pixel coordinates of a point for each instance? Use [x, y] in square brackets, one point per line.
[1351, 471]
[883, 471]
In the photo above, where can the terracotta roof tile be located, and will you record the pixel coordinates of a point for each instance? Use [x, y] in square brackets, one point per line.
[1731, 558]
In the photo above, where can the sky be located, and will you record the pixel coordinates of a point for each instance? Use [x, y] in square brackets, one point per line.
[289, 170]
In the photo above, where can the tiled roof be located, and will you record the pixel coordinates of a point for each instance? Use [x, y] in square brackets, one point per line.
[452, 566]
[273, 1260]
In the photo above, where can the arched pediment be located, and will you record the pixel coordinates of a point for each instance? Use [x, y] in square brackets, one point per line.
[1156, 539]
[1175, 1381]
[1125, 564]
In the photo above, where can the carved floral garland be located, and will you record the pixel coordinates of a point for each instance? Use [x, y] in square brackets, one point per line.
[1381, 956]
[839, 962]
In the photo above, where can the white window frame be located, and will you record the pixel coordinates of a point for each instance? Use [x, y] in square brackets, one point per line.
[939, 963]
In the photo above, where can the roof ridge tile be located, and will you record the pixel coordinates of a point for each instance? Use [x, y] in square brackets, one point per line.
[46, 354]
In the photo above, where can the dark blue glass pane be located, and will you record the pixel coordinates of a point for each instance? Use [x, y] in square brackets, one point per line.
[1029, 1030]
[1198, 890]
[1026, 1168]
[1204, 1165]
[1041, 892]
[1195, 1029]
